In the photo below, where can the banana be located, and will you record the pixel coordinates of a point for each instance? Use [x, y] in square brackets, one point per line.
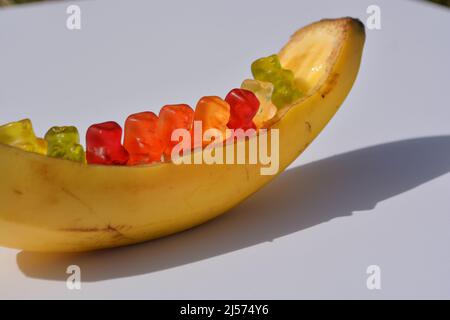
[53, 205]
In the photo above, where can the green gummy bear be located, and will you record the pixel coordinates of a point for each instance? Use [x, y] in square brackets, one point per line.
[64, 143]
[20, 134]
[269, 69]
[284, 93]
[266, 69]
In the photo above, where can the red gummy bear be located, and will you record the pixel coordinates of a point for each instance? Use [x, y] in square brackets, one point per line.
[141, 139]
[103, 144]
[171, 117]
[243, 107]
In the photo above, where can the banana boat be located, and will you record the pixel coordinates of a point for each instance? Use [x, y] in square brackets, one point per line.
[54, 205]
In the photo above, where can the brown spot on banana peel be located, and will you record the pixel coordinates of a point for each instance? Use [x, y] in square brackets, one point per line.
[247, 174]
[308, 126]
[43, 171]
[75, 197]
[108, 229]
[331, 83]
[85, 229]
[18, 192]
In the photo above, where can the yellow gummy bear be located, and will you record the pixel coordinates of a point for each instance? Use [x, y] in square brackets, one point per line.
[21, 135]
[263, 91]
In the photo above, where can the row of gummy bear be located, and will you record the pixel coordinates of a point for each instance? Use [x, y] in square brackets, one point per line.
[147, 137]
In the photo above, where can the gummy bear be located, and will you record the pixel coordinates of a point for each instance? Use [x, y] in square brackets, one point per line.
[214, 113]
[263, 91]
[20, 134]
[243, 107]
[103, 144]
[269, 69]
[141, 139]
[64, 143]
[171, 117]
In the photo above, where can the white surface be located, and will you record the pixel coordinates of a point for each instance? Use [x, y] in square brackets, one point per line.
[372, 189]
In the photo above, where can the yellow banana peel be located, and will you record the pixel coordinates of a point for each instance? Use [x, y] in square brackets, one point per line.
[52, 205]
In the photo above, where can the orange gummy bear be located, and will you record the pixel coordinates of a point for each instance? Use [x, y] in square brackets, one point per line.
[214, 113]
[141, 139]
[172, 117]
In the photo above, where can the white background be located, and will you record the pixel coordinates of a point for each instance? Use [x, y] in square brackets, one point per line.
[372, 189]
